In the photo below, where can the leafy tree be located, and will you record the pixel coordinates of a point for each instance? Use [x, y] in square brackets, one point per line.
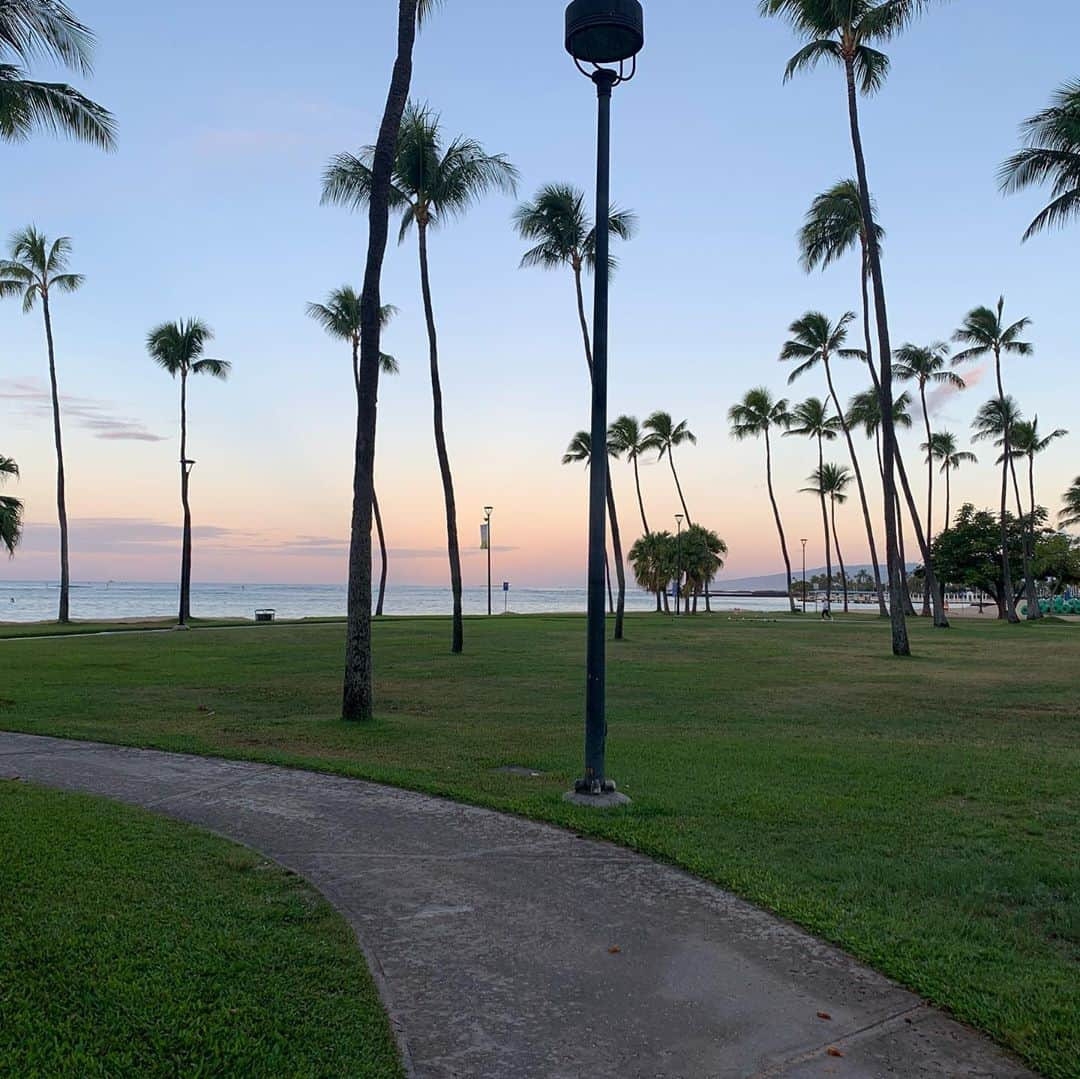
[11, 509]
[580, 452]
[985, 333]
[631, 442]
[815, 340]
[431, 183]
[48, 30]
[666, 436]
[812, 419]
[1057, 560]
[37, 269]
[943, 448]
[1052, 156]
[653, 560]
[845, 32]
[340, 316]
[1070, 515]
[754, 417]
[177, 347]
[701, 557]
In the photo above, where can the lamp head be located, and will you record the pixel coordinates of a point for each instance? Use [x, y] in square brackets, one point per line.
[488, 510]
[604, 31]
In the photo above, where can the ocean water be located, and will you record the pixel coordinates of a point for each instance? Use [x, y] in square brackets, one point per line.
[35, 601]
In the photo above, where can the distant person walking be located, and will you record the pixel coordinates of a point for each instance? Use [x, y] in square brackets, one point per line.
[826, 610]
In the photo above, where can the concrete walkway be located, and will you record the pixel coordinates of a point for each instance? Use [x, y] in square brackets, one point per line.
[512, 949]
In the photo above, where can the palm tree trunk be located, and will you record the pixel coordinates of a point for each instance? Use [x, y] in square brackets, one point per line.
[453, 548]
[678, 486]
[825, 522]
[620, 569]
[382, 553]
[1031, 488]
[929, 489]
[776, 515]
[839, 555]
[185, 502]
[607, 578]
[1006, 449]
[948, 496]
[64, 614]
[641, 501]
[937, 595]
[901, 645]
[905, 599]
[1034, 611]
[862, 487]
[358, 688]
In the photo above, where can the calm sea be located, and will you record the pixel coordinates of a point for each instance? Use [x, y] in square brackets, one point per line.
[34, 601]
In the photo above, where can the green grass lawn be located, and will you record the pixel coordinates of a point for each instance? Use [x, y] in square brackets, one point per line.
[923, 814]
[132, 945]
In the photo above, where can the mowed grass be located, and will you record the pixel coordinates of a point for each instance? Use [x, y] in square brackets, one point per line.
[133, 945]
[924, 814]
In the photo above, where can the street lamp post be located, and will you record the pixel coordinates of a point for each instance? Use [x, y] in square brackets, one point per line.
[678, 565]
[804, 542]
[601, 32]
[487, 521]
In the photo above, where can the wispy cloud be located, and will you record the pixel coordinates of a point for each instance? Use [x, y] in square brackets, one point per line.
[938, 398]
[122, 536]
[32, 397]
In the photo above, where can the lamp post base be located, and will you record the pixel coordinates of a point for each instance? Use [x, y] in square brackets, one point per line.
[596, 794]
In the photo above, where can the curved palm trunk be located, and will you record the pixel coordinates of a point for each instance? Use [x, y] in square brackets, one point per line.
[382, 554]
[929, 488]
[937, 595]
[1010, 593]
[862, 487]
[185, 502]
[776, 516]
[358, 688]
[839, 554]
[901, 644]
[620, 570]
[64, 614]
[905, 599]
[678, 486]
[641, 501]
[948, 496]
[453, 547]
[607, 580]
[1031, 594]
[825, 523]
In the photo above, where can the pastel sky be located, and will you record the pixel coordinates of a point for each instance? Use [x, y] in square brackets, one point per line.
[227, 114]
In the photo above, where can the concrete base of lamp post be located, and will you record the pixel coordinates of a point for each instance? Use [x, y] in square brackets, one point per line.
[609, 799]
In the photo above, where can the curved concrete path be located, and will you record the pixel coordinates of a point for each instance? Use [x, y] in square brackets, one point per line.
[508, 948]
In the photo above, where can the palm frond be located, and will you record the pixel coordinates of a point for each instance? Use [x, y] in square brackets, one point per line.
[27, 106]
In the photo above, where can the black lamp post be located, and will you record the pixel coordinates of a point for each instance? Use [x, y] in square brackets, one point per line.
[487, 520]
[678, 566]
[804, 542]
[601, 32]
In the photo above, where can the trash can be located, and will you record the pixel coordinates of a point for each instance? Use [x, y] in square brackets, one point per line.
[267, 615]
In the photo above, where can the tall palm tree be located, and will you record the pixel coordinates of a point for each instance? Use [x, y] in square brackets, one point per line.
[845, 32]
[927, 365]
[1070, 515]
[944, 448]
[340, 317]
[831, 481]
[993, 423]
[432, 182]
[631, 442]
[37, 269]
[666, 436]
[358, 681]
[580, 452]
[48, 30]
[754, 417]
[816, 340]
[11, 509]
[812, 419]
[177, 347]
[985, 333]
[1052, 155]
[558, 225]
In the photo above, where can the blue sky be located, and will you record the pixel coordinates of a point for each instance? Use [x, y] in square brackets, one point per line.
[227, 114]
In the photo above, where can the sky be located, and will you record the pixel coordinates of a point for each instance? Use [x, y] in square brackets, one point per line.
[228, 113]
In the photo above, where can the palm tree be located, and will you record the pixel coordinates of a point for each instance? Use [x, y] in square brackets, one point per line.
[1052, 156]
[816, 340]
[431, 183]
[943, 447]
[653, 558]
[48, 30]
[37, 270]
[701, 558]
[340, 317]
[1070, 515]
[563, 235]
[580, 452]
[753, 417]
[178, 348]
[926, 365]
[812, 419]
[994, 422]
[630, 441]
[11, 509]
[845, 32]
[832, 481]
[666, 436]
[985, 333]
[358, 682]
